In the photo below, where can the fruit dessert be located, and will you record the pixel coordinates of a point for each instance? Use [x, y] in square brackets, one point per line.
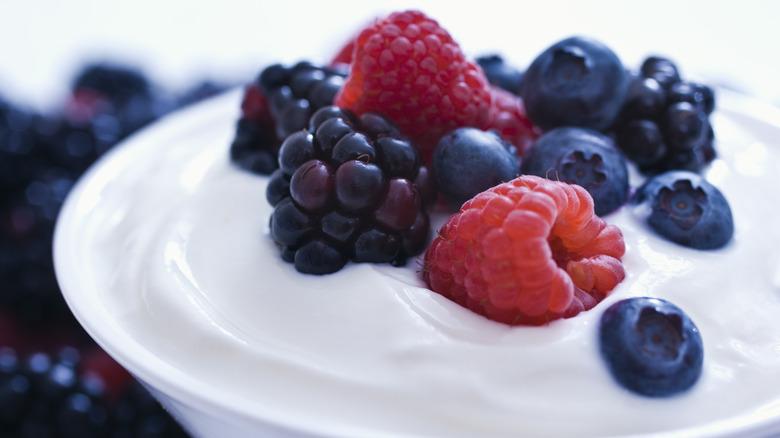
[564, 282]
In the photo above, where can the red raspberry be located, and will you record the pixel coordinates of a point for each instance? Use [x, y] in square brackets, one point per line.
[409, 68]
[526, 252]
[508, 118]
[254, 106]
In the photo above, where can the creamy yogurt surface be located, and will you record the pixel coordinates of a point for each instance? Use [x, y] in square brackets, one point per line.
[177, 242]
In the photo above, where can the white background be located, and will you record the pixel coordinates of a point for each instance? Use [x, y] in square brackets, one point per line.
[44, 42]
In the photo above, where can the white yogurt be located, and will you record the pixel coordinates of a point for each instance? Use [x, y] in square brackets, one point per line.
[179, 244]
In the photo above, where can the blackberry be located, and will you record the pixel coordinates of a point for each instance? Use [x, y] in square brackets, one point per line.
[664, 122]
[349, 188]
[278, 103]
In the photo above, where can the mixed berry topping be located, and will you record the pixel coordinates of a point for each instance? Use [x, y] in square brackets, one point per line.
[651, 346]
[526, 252]
[686, 209]
[349, 188]
[409, 68]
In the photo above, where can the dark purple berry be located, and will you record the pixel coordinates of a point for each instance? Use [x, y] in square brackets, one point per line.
[360, 195]
[661, 69]
[642, 142]
[664, 124]
[651, 346]
[685, 125]
[359, 186]
[287, 97]
[646, 99]
[318, 257]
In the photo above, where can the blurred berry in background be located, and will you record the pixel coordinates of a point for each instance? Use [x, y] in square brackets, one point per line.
[54, 380]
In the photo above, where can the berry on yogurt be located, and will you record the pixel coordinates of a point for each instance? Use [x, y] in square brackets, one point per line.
[409, 68]
[683, 207]
[468, 161]
[349, 188]
[576, 82]
[585, 157]
[526, 252]
[650, 346]
[664, 123]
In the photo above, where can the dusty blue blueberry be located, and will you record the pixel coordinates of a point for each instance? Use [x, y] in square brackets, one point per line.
[584, 157]
[575, 82]
[469, 161]
[685, 208]
[651, 346]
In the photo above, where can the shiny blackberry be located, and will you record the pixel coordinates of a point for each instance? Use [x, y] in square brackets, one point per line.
[664, 122]
[279, 103]
[349, 188]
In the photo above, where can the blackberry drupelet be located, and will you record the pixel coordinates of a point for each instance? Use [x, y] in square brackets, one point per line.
[276, 105]
[349, 188]
[664, 123]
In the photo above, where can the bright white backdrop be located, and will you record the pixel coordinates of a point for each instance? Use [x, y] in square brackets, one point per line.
[43, 42]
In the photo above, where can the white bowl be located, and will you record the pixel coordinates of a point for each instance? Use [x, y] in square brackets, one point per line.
[204, 407]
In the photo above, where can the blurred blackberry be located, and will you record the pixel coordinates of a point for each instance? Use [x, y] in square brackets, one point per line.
[138, 415]
[59, 396]
[27, 220]
[501, 74]
[122, 92]
[45, 396]
[277, 104]
[20, 156]
[664, 123]
[349, 189]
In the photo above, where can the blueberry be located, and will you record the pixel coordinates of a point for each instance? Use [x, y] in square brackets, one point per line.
[651, 346]
[575, 82]
[584, 157]
[501, 74]
[686, 209]
[468, 161]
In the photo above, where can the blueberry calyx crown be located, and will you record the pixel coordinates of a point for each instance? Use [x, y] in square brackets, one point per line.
[651, 346]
